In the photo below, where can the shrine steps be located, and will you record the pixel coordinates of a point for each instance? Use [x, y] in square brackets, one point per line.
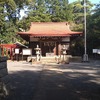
[48, 59]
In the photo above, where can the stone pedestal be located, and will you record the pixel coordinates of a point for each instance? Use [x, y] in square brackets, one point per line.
[64, 59]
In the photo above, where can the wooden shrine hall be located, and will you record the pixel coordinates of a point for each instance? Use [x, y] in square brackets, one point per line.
[49, 36]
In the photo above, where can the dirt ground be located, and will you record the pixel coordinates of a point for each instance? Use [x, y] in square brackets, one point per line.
[50, 81]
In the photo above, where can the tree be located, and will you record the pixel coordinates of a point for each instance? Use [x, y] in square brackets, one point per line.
[7, 10]
[37, 12]
[78, 10]
[10, 14]
[93, 33]
[78, 13]
[50, 10]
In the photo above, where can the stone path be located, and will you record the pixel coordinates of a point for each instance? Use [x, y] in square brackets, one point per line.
[74, 81]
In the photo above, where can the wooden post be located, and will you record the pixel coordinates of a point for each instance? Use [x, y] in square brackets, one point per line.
[7, 52]
[41, 48]
[2, 51]
[11, 53]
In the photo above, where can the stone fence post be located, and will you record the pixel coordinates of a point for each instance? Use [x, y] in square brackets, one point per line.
[4, 80]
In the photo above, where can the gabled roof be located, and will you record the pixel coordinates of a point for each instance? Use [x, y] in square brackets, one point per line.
[49, 29]
[20, 44]
[15, 45]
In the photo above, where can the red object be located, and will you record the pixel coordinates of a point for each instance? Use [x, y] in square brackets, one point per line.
[8, 46]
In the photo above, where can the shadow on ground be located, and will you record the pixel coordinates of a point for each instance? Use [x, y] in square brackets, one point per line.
[74, 81]
[23, 85]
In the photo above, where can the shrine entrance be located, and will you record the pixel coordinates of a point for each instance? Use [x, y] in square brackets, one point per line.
[47, 48]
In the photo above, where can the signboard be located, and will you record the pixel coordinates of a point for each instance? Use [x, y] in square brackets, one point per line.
[98, 51]
[95, 50]
[33, 39]
[17, 51]
[67, 39]
[27, 51]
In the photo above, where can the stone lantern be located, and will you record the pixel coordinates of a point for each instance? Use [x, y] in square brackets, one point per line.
[64, 53]
[38, 53]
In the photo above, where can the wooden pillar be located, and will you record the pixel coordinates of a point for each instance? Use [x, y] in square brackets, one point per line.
[7, 52]
[59, 48]
[11, 53]
[2, 51]
[41, 47]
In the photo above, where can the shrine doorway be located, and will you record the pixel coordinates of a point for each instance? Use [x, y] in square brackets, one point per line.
[47, 48]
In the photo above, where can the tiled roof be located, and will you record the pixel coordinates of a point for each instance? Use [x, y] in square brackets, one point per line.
[49, 29]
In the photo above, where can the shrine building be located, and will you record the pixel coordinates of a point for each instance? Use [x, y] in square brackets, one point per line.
[49, 36]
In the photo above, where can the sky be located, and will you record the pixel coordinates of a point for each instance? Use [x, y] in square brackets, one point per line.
[92, 1]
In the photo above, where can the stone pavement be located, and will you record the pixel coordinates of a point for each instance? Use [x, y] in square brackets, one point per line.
[73, 81]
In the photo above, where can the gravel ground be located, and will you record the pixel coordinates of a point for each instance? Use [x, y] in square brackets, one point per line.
[73, 81]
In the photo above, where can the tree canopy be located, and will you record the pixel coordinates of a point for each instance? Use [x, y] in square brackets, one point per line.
[93, 30]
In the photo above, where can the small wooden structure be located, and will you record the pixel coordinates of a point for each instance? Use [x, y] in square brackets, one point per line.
[9, 49]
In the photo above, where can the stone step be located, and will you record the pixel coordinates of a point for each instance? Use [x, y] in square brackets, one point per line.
[48, 59]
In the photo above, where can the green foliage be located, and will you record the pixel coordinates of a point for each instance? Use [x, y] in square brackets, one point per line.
[47, 10]
[78, 10]
[7, 27]
[77, 48]
[93, 33]
[78, 13]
